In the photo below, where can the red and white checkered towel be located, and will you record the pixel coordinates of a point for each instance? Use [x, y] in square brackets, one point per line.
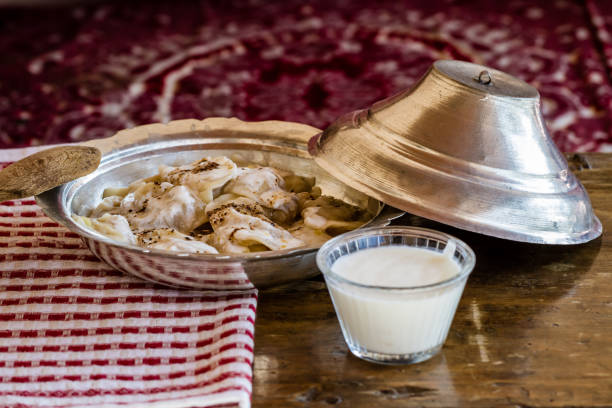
[75, 332]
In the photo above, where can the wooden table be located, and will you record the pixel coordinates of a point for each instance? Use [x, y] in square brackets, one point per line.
[533, 329]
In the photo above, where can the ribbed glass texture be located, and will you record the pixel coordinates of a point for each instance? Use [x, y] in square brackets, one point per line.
[390, 324]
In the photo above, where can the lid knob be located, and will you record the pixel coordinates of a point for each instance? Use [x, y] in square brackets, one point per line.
[484, 77]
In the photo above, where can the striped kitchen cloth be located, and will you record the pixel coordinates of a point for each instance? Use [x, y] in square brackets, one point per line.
[75, 332]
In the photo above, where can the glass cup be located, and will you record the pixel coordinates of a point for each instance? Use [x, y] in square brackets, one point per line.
[395, 325]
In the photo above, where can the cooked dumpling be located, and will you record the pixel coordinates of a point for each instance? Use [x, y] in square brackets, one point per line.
[282, 206]
[202, 177]
[265, 186]
[117, 191]
[298, 184]
[110, 205]
[307, 197]
[172, 240]
[240, 224]
[113, 226]
[252, 182]
[218, 202]
[316, 218]
[325, 213]
[311, 237]
[134, 199]
[140, 193]
[178, 208]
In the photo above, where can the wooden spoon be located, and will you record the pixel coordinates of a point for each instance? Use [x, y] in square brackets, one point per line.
[44, 170]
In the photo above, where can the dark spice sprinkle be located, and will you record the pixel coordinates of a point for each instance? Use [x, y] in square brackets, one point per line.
[205, 167]
[144, 206]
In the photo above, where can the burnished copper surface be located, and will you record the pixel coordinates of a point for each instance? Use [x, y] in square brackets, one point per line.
[467, 146]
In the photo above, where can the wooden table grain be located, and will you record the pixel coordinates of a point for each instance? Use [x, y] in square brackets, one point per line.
[533, 329]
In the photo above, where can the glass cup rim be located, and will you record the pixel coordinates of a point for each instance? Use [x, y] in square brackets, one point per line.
[466, 269]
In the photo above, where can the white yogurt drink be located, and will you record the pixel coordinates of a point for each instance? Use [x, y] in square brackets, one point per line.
[395, 303]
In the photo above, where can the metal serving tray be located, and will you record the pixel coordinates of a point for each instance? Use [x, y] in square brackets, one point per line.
[136, 153]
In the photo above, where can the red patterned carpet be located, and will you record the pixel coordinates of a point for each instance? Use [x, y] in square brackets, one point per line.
[76, 73]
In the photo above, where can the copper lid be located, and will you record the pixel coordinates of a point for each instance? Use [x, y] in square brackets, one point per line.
[466, 146]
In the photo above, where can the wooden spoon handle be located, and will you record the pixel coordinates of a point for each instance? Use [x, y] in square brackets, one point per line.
[46, 169]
